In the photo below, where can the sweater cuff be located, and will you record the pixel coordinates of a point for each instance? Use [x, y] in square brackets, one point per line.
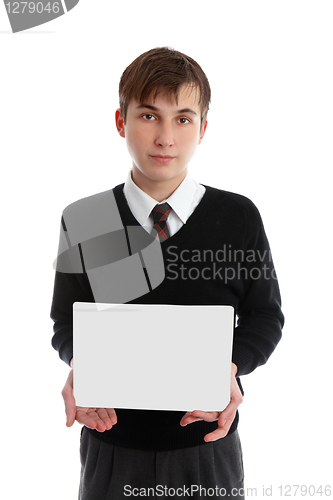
[243, 359]
[66, 352]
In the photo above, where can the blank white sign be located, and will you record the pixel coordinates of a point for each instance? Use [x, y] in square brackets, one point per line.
[160, 357]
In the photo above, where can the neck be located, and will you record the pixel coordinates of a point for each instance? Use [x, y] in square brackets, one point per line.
[158, 190]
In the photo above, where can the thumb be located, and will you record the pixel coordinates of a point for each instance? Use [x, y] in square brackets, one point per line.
[69, 400]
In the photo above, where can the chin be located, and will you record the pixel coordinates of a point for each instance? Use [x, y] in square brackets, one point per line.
[163, 177]
[160, 173]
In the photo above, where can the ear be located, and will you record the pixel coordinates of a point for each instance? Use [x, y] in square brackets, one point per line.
[120, 123]
[203, 130]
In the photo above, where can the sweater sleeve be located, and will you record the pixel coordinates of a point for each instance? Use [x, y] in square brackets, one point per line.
[68, 288]
[260, 319]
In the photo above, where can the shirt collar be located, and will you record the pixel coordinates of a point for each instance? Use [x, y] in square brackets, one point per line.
[141, 204]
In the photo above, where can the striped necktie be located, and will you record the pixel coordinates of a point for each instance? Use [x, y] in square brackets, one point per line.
[160, 215]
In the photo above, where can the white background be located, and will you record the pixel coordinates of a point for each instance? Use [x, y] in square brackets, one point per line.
[269, 137]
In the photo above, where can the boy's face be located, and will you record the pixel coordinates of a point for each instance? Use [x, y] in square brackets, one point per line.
[162, 136]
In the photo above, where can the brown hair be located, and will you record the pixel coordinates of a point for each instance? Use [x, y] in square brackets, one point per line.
[164, 69]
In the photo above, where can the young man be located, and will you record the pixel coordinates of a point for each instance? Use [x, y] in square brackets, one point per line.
[164, 100]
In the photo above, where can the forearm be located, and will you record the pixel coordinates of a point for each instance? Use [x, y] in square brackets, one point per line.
[260, 319]
[68, 288]
[255, 339]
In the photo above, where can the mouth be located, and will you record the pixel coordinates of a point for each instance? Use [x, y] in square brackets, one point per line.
[162, 158]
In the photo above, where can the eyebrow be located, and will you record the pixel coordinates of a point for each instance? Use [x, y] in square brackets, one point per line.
[153, 108]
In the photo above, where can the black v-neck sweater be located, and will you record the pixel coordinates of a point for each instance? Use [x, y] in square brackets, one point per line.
[220, 256]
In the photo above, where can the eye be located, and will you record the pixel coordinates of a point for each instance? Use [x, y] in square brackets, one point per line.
[184, 120]
[148, 117]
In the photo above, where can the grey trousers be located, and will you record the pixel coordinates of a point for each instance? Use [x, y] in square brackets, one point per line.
[212, 470]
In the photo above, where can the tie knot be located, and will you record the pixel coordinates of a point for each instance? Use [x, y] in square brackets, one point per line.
[161, 212]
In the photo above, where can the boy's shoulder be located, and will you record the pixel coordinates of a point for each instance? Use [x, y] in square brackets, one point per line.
[234, 201]
[89, 202]
[86, 216]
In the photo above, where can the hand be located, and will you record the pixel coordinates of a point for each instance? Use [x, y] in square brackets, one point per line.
[100, 419]
[224, 418]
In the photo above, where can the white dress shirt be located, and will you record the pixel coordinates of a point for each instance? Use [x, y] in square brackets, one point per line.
[183, 202]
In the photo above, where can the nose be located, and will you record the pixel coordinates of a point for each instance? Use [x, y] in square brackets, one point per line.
[164, 135]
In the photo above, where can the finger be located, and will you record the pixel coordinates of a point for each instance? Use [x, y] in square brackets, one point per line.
[112, 414]
[221, 431]
[226, 416]
[215, 435]
[104, 417]
[85, 418]
[94, 414]
[188, 418]
[230, 410]
[208, 416]
[100, 419]
[197, 415]
[183, 419]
